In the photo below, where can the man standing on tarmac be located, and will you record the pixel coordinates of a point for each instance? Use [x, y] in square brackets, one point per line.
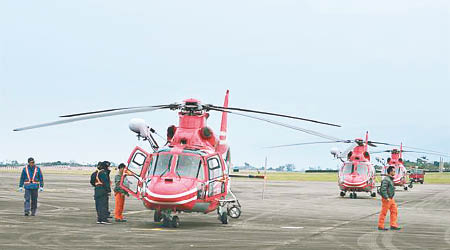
[102, 190]
[33, 181]
[108, 174]
[119, 195]
[387, 192]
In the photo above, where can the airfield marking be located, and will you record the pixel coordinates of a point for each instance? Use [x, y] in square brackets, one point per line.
[151, 229]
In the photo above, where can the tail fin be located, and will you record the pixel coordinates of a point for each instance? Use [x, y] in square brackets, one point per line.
[401, 150]
[224, 126]
[367, 141]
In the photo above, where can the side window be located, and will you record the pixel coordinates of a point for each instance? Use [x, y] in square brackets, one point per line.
[214, 169]
[137, 162]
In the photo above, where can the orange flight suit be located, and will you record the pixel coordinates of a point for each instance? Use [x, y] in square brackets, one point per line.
[120, 202]
[392, 207]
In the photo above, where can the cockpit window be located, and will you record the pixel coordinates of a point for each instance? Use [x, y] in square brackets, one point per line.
[161, 165]
[362, 169]
[348, 168]
[189, 166]
[418, 171]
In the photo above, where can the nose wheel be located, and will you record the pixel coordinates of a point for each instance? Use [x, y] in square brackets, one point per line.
[169, 221]
[353, 195]
[234, 212]
[229, 207]
[157, 217]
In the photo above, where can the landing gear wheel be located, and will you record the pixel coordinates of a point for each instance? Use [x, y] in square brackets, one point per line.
[342, 194]
[351, 195]
[410, 185]
[175, 223]
[166, 222]
[234, 212]
[406, 188]
[373, 194]
[224, 218]
[157, 217]
[421, 182]
[355, 196]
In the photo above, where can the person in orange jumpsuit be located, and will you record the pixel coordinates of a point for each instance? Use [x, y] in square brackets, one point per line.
[119, 195]
[387, 192]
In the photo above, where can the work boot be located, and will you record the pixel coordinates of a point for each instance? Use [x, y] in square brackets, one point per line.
[106, 222]
[382, 229]
[27, 214]
[396, 228]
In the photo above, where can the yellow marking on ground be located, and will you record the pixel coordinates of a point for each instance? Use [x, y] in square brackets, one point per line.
[153, 229]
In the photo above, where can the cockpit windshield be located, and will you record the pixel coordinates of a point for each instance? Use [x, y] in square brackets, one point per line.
[362, 169]
[347, 168]
[161, 165]
[189, 166]
[416, 171]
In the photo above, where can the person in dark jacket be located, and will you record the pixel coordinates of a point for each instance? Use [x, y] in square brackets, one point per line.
[102, 190]
[33, 181]
[108, 173]
[387, 192]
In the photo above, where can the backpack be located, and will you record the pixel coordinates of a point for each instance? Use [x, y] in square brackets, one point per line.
[93, 177]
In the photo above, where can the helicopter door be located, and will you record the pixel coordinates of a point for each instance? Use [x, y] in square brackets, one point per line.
[215, 173]
[138, 163]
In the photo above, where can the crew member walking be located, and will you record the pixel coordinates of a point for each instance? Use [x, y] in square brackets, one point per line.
[33, 181]
[387, 192]
[119, 195]
[102, 190]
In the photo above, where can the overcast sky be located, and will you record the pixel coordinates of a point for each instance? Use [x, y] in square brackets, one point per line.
[381, 66]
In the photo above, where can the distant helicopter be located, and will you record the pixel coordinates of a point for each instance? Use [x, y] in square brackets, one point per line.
[396, 160]
[401, 174]
[189, 174]
[357, 173]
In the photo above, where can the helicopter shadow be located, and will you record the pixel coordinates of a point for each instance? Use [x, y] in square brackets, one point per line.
[184, 225]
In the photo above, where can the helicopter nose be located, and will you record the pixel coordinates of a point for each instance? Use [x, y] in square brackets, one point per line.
[171, 191]
[355, 181]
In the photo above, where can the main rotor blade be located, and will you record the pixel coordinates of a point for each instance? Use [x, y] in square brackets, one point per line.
[308, 143]
[412, 151]
[379, 152]
[275, 114]
[112, 110]
[421, 149]
[311, 132]
[87, 117]
[427, 153]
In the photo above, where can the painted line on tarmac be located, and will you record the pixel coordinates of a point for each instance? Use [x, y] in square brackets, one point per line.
[135, 212]
[151, 229]
[292, 227]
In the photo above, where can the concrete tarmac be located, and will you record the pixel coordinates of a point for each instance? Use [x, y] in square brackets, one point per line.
[293, 215]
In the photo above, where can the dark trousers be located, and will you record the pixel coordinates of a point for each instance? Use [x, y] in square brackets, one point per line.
[31, 199]
[107, 207]
[101, 205]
